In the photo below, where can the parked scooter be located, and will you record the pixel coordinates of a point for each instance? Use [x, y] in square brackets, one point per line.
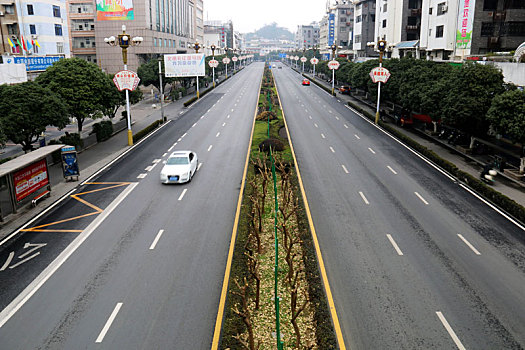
[487, 174]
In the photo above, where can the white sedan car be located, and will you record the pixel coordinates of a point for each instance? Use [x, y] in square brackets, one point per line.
[179, 168]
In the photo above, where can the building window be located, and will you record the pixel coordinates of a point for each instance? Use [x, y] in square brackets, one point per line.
[439, 31]
[372, 17]
[83, 42]
[517, 4]
[489, 5]
[30, 10]
[60, 47]
[412, 21]
[430, 10]
[384, 23]
[58, 29]
[358, 19]
[9, 9]
[514, 29]
[343, 19]
[441, 8]
[56, 11]
[342, 29]
[12, 29]
[357, 39]
[384, 7]
[413, 4]
[154, 41]
[81, 8]
[32, 29]
[487, 28]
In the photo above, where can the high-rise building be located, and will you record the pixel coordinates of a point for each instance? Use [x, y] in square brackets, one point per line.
[307, 36]
[167, 27]
[81, 17]
[35, 28]
[364, 25]
[336, 27]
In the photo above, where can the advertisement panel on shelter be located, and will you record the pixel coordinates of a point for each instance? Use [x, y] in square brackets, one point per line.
[465, 24]
[30, 179]
[184, 65]
[114, 10]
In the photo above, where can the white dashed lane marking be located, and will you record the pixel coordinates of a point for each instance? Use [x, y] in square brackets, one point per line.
[357, 137]
[110, 320]
[392, 170]
[396, 247]
[182, 194]
[322, 135]
[421, 197]
[363, 197]
[332, 149]
[345, 169]
[217, 134]
[469, 245]
[371, 150]
[346, 126]
[209, 148]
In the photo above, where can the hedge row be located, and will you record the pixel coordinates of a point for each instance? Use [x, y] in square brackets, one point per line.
[146, 130]
[103, 130]
[500, 200]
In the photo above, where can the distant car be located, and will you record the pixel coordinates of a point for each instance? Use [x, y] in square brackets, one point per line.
[179, 167]
[280, 67]
[306, 82]
[345, 90]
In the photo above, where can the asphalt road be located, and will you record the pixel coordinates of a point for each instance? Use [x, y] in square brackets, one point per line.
[414, 261]
[149, 259]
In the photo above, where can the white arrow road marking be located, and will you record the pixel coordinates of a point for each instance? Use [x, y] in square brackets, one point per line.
[108, 323]
[9, 259]
[450, 330]
[155, 241]
[421, 197]
[182, 194]
[364, 198]
[469, 245]
[399, 252]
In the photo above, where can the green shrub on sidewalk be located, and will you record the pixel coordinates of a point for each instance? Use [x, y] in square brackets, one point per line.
[103, 130]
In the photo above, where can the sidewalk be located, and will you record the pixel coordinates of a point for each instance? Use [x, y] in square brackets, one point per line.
[94, 158]
[513, 189]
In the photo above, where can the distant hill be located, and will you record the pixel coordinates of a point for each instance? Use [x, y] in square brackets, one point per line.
[271, 31]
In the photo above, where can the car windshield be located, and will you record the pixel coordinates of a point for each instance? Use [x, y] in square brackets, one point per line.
[177, 160]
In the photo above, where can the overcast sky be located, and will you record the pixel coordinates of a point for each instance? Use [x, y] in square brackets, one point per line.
[250, 15]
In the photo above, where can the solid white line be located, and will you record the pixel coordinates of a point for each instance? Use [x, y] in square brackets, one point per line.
[184, 135]
[450, 330]
[371, 150]
[209, 148]
[180, 139]
[199, 166]
[469, 245]
[421, 197]
[345, 169]
[315, 124]
[322, 135]
[364, 198]
[332, 149]
[182, 194]
[399, 252]
[357, 137]
[141, 176]
[108, 323]
[392, 170]
[152, 246]
[39, 281]
[218, 134]
[346, 126]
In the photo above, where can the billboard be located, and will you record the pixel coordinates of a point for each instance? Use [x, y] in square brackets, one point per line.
[331, 29]
[465, 24]
[30, 179]
[114, 10]
[184, 65]
[34, 63]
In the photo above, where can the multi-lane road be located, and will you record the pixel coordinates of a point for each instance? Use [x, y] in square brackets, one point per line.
[414, 260]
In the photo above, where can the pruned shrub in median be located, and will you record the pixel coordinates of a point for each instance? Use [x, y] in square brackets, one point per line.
[266, 115]
[271, 145]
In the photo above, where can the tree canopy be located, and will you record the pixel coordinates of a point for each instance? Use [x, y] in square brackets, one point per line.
[507, 114]
[81, 85]
[26, 110]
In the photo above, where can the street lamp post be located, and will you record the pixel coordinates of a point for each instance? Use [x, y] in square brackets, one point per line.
[213, 47]
[334, 48]
[381, 46]
[304, 50]
[196, 47]
[161, 93]
[124, 42]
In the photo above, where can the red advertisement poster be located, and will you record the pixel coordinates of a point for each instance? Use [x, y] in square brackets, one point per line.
[30, 179]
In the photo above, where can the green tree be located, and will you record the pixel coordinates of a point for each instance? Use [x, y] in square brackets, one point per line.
[149, 74]
[81, 85]
[470, 96]
[507, 114]
[26, 110]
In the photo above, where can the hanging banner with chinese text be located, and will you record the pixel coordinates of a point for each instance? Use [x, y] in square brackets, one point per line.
[465, 24]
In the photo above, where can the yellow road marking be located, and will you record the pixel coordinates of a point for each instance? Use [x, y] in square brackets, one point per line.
[83, 201]
[331, 304]
[224, 291]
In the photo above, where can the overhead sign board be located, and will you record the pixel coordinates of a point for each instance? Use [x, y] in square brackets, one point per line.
[184, 65]
[33, 64]
[379, 74]
[126, 80]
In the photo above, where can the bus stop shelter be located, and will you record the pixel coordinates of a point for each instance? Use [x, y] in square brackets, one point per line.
[24, 178]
